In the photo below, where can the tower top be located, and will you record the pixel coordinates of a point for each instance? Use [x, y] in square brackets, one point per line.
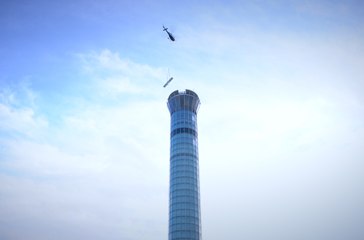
[183, 100]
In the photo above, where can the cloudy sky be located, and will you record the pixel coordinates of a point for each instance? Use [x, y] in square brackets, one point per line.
[84, 127]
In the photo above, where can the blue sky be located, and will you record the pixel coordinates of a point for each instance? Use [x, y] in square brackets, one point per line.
[84, 127]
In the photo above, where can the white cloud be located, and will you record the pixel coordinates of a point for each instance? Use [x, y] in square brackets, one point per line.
[100, 167]
[20, 120]
[17, 112]
[280, 126]
[115, 76]
[271, 136]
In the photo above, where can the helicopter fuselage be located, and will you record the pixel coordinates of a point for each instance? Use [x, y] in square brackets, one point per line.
[170, 36]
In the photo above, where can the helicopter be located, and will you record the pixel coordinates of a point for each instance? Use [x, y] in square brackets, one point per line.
[170, 36]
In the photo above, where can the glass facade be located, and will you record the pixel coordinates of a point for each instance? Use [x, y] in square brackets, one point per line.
[184, 193]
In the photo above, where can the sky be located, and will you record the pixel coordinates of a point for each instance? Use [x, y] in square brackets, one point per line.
[84, 126]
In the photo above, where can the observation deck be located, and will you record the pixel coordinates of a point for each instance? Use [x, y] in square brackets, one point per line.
[183, 100]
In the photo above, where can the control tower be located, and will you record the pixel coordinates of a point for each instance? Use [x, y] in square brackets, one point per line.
[184, 187]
